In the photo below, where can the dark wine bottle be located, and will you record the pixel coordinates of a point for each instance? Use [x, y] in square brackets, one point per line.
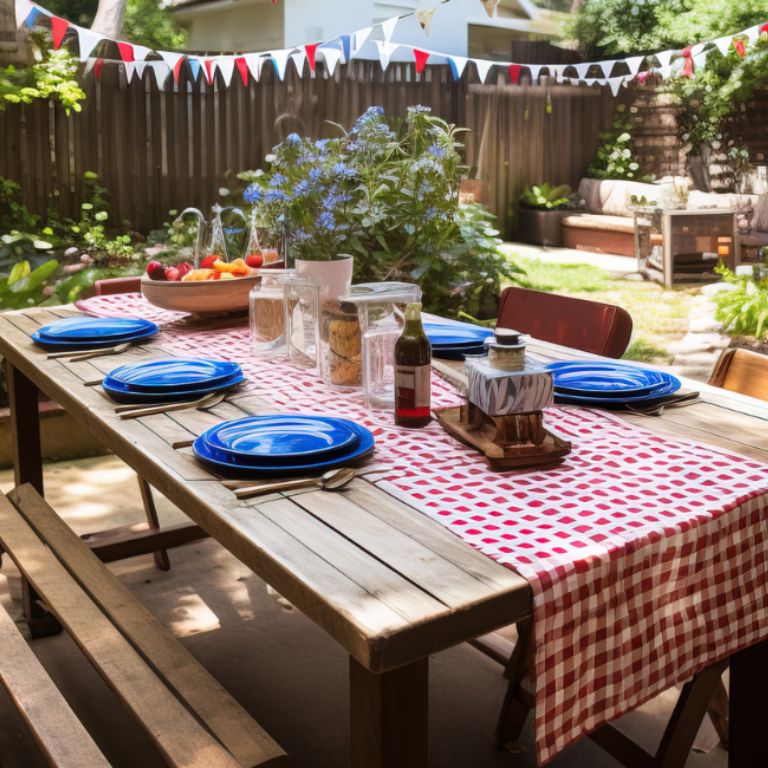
[413, 355]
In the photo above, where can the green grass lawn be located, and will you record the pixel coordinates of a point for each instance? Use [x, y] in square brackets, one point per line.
[659, 316]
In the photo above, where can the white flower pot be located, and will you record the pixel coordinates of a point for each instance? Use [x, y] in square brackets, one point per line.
[334, 277]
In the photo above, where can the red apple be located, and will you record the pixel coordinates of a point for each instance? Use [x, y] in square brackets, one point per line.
[183, 268]
[156, 271]
[172, 273]
[254, 260]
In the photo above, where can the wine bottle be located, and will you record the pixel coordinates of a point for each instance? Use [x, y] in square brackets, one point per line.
[413, 355]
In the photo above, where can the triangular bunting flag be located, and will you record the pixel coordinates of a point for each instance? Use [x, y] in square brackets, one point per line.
[279, 61]
[490, 7]
[194, 67]
[388, 28]
[421, 58]
[535, 70]
[254, 62]
[298, 58]
[59, 28]
[311, 51]
[210, 71]
[23, 9]
[139, 67]
[457, 64]
[359, 39]
[98, 68]
[634, 63]
[160, 69]
[242, 68]
[723, 44]
[615, 84]
[424, 17]
[87, 41]
[387, 49]
[664, 58]
[753, 33]
[514, 73]
[582, 69]
[171, 58]
[32, 18]
[331, 56]
[606, 67]
[140, 52]
[226, 65]
[700, 59]
[483, 66]
[129, 67]
[126, 51]
[346, 47]
[88, 67]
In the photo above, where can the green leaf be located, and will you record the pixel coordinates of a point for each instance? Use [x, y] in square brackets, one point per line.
[35, 279]
[19, 270]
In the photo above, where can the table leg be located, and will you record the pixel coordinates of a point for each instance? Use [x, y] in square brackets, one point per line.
[747, 745]
[23, 396]
[668, 258]
[388, 716]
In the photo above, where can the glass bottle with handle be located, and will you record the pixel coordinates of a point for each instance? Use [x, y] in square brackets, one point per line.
[413, 357]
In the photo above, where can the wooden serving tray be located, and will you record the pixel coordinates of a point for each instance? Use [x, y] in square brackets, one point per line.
[484, 434]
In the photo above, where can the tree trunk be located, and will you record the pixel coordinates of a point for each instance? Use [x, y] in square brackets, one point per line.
[109, 18]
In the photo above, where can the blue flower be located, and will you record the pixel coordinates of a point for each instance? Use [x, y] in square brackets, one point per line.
[292, 139]
[301, 188]
[276, 180]
[425, 188]
[253, 194]
[341, 169]
[322, 144]
[326, 221]
[315, 174]
[437, 151]
[275, 195]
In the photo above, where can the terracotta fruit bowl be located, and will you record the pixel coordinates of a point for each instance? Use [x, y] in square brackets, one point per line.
[199, 297]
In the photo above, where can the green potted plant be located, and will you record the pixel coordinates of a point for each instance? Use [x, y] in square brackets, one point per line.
[542, 210]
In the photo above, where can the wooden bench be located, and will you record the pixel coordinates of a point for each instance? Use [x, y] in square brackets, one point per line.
[189, 717]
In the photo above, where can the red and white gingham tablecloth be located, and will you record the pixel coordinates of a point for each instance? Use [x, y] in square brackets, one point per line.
[647, 556]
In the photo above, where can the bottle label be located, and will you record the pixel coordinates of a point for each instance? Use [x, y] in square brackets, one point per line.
[412, 384]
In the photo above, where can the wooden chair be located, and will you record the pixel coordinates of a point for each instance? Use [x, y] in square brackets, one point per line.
[603, 329]
[189, 717]
[110, 287]
[743, 371]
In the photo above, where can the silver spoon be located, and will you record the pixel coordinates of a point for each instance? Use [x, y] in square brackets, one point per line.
[84, 354]
[203, 404]
[333, 480]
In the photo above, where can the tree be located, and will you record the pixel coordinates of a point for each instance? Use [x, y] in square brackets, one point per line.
[109, 18]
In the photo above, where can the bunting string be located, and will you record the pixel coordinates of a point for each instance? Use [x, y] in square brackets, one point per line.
[376, 43]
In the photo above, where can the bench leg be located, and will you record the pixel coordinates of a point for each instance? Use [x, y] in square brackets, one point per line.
[388, 716]
[161, 555]
[517, 702]
[23, 396]
[747, 745]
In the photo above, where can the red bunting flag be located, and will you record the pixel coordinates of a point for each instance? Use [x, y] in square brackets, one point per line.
[311, 49]
[209, 70]
[764, 30]
[741, 47]
[98, 67]
[688, 67]
[126, 52]
[177, 69]
[514, 73]
[421, 59]
[59, 28]
[242, 68]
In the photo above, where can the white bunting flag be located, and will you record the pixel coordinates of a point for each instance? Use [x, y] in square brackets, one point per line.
[332, 57]
[723, 44]
[385, 52]
[88, 66]
[388, 28]
[254, 62]
[161, 71]
[23, 9]
[129, 67]
[535, 70]
[582, 69]
[459, 64]
[664, 58]
[140, 52]
[359, 39]
[483, 67]
[615, 84]
[226, 65]
[87, 41]
[591, 81]
[280, 60]
[299, 58]
[634, 63]
[700, 59]
[171, 58]
[424, 17]
[753, 33]
[139, 68]
[606, 67]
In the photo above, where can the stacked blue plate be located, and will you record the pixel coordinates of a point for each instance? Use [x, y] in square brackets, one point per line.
[452, 341]
[74, 333]
[608, 384]
[258, 446]
[170, 379]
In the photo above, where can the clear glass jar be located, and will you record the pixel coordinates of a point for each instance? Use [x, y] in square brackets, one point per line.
[302, 320]
[379, 366]
[266, 303]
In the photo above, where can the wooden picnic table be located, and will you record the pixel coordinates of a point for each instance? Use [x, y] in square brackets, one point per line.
[388, 584]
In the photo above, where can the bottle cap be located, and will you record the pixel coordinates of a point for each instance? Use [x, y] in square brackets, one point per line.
[506, 337]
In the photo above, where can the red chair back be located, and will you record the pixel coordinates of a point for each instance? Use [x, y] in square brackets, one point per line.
[603, 329]
[114, 285]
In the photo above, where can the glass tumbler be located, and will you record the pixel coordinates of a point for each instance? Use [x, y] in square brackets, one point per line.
[379, 365]
[302, 320]
[266, 314]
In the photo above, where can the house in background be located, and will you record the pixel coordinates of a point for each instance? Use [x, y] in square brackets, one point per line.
[460, 27]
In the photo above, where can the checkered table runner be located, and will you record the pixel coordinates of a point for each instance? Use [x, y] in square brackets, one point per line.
[647, 555]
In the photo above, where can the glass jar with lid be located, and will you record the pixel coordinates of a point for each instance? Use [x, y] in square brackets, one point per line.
[267, 311]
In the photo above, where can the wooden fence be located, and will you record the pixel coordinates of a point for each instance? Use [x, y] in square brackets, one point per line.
[156, 150]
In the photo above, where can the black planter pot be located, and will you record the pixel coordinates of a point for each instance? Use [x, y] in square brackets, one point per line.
[539, 226]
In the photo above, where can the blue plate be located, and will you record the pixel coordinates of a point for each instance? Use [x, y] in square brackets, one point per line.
[617, 402]
[227, 465]
[283, 438]
[76, 329]
[74, 346]
[173, 373]
[457, 353]
[122, 393]
[607, 379]
[446, 335]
